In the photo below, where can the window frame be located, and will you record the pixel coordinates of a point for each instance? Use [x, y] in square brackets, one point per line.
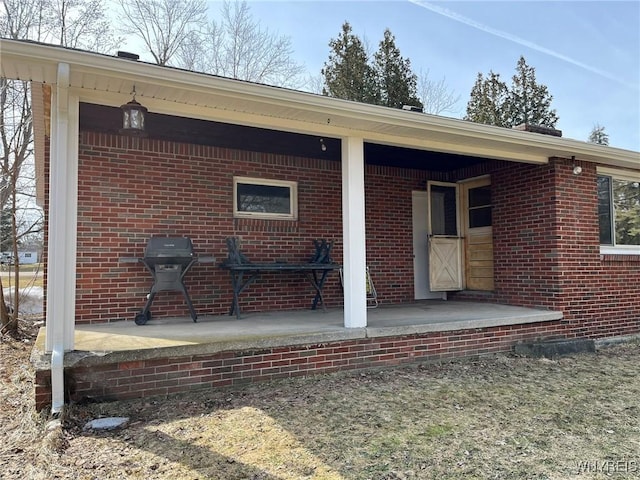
[624, 175]
[482, 206]
[293, 198]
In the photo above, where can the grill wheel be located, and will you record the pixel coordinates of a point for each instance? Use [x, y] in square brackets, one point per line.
[142, 317]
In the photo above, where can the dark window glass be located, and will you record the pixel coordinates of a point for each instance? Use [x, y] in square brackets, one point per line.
[480, 217]
[480, 207]
[604, 210]
[444, 219]
[263, 199]
[480, 196]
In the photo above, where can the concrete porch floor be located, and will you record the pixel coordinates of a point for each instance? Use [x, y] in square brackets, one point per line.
[177, 336]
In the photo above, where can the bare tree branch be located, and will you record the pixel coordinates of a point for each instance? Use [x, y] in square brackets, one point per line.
[436, 96]
[70, 23]
[163, 25]
[238, 47]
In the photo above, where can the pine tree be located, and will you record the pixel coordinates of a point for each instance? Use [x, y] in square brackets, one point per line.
[6, 237]
[530, 102]
[396, 81]
[492, 102]
[598, 135]
[347, 74]
[489, 102]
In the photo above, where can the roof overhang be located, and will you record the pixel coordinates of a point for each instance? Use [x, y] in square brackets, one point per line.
[108, 80]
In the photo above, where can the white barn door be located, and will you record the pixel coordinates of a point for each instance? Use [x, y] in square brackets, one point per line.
[445, 242]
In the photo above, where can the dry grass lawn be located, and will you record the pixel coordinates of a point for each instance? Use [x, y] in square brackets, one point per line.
[30, 276]
[500, 417]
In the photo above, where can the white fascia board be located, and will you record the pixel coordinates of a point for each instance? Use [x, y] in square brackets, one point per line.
[322, 115]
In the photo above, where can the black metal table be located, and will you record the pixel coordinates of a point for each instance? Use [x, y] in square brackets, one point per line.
[242, 275]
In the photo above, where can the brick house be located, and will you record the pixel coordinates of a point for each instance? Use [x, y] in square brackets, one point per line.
[437, 208]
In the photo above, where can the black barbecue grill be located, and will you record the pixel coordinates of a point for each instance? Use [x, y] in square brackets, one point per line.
[168, 259]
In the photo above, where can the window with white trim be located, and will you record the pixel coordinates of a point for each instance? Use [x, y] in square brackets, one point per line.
[262, 198]
[619, 211]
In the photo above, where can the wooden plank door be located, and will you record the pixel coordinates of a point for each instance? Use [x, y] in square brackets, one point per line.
[478, 233]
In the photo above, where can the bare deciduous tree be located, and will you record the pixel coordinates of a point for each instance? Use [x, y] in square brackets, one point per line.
[70, 23]
[16, 148]
[237, 46]
[21, 19]
[79, 24]
[436, 97]
[163, 25]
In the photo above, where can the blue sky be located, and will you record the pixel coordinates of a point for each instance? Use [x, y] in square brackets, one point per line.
[586, 52]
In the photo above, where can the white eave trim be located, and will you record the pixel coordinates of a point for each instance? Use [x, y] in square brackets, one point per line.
[410, 129]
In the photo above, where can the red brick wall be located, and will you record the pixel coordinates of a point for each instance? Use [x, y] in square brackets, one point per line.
[389, 229]
[130, 189]
[545, 228]
[525, 235]
[547, 253]
[162, 376]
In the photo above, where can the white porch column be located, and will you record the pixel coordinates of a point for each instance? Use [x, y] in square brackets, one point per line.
[63, 215]
[353, 227]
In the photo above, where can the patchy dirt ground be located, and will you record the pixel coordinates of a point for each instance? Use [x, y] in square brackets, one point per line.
[496, 418]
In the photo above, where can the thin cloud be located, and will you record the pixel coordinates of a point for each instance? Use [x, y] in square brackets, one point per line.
[445, 12]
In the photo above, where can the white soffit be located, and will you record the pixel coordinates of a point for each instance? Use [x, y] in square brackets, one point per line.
[109, 80]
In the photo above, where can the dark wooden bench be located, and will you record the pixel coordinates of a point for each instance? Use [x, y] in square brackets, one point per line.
[244, 272]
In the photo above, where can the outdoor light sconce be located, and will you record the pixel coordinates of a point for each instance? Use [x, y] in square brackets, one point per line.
[577, 169]
[133, 117]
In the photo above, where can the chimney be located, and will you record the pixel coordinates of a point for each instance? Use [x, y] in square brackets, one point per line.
[411, 108]
[128, 55]
[526, 127]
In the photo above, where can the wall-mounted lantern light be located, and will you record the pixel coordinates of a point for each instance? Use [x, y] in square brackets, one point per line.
[133, 117]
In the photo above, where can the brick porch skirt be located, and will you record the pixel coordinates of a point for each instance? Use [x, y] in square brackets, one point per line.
[164, 375]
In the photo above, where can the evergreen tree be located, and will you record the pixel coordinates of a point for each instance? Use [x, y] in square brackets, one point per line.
[493, 103]
[530, 101]
[489, 102]
[397, 83]
[347, 74]
[626, 201]
[599, 136]
[6, 236]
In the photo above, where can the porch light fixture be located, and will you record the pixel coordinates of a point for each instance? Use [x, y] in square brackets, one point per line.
[133, 117]
[577, 169]
[323, 147]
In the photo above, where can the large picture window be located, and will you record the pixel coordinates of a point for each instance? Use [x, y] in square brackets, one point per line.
[260, 198]
[619, 211]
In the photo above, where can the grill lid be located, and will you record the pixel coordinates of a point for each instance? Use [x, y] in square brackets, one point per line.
[176, 247]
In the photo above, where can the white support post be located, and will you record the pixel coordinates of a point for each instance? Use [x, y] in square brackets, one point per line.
[62, 227]
[353, 227]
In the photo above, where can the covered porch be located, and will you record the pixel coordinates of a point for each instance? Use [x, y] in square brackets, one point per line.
[269, 329]
[343, 152]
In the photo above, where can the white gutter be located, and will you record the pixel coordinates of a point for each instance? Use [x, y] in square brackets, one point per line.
[280, 108]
